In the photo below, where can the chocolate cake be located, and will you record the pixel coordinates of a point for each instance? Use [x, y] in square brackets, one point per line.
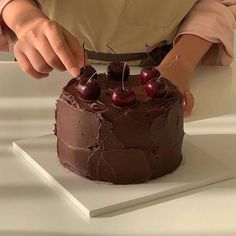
[120, 145]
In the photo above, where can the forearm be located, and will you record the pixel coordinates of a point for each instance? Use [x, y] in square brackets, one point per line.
[191, 48]
[18, 14]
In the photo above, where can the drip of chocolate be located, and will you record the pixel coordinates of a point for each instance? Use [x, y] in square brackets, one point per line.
[120, 145]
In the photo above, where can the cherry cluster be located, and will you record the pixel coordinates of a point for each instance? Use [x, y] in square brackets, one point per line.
[150, 77]
[89, 88]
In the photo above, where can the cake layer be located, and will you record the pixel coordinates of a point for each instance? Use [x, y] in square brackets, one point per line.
[119, 145]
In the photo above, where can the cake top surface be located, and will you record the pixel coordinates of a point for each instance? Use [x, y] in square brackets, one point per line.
[143, 102]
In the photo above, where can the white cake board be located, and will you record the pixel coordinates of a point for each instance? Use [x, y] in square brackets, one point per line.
[197, 169]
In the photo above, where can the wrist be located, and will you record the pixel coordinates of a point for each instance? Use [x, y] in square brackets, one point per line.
[191, 48]
[19, 15]
[180, 68]
[28, 23]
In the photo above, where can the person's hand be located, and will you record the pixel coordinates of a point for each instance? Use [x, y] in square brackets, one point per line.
[179, 75]
[44, 45]
[191, 48]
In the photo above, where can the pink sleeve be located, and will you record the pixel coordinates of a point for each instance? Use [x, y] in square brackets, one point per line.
[5, 41]
[215, 21]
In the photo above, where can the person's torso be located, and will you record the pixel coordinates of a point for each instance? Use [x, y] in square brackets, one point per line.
[124, 25]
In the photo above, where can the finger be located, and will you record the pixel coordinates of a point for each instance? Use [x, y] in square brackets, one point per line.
[26, 67]
[37, 61]
[188, 103]
[76, 49]
[60, 47]
[49, 55]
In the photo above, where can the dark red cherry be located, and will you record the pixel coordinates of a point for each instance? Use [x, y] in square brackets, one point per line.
[87, 71]
[123, 98]
[89, 89]
[147, 73]
[156, 87]
[115, 70]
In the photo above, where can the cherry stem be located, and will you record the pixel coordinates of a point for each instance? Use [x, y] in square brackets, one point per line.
[111, 49]
[91, 77]
[168, 66]
[84, 51]
[147, 48]
[123, 76]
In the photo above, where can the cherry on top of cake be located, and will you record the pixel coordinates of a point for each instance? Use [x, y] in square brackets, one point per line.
[123, 96]
[87, 85]
[115, 69]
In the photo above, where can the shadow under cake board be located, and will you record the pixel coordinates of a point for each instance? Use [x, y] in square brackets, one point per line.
[198, 169]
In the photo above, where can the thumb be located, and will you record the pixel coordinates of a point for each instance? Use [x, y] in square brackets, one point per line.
[188, 103]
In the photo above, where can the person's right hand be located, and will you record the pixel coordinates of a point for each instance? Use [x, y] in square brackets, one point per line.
[44, 45]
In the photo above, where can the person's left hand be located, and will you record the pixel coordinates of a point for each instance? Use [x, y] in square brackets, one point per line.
[180, 75]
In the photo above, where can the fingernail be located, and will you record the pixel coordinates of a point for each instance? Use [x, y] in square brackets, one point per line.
[74, 71]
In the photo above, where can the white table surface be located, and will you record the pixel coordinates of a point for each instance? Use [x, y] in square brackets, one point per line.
[30, 206]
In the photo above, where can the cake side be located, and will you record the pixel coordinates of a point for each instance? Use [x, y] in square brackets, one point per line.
[106, 143]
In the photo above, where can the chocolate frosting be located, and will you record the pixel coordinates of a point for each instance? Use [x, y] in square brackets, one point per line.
[119, 145]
